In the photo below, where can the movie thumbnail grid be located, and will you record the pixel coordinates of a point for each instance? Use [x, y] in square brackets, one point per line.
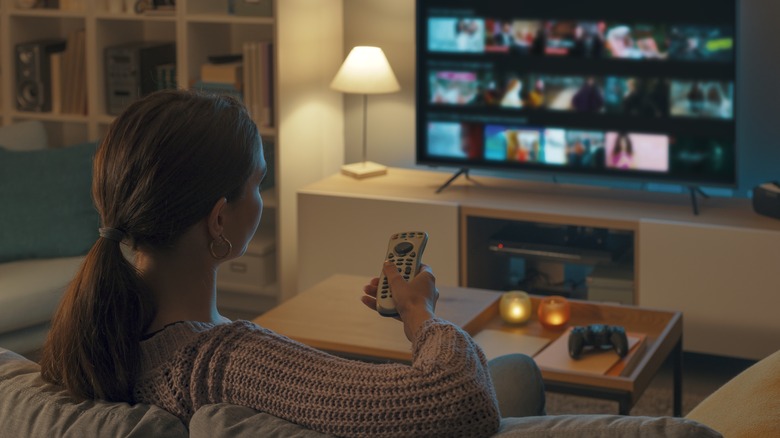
[648, 97]
[577, 149]
[581, 38]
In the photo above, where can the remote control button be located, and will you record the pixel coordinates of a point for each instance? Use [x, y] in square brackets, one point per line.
[403, 248]
[413, 255]
[408, 270]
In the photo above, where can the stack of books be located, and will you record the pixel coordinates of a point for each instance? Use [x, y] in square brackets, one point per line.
[166, 76]
[222, 78]
[247, 77]
[258, 81]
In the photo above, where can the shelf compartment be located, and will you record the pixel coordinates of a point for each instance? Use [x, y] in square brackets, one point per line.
[549, 258]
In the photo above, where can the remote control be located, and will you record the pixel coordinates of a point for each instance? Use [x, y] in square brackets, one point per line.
[405, 250]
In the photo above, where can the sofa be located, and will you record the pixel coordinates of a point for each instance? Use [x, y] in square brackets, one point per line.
[47, 223]
[33, 408]
[746, 406]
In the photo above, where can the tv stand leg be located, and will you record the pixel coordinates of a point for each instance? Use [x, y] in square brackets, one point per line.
[463, 171]
[695, 190]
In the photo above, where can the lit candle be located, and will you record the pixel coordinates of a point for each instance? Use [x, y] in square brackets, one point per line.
[554, 312]
[515, 307]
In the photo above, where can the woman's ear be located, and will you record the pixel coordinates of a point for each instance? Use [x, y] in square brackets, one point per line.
[216, 219]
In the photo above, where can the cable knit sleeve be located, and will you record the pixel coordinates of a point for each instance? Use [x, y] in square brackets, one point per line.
[445, 391]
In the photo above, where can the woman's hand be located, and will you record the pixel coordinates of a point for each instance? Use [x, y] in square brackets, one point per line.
[415, 300]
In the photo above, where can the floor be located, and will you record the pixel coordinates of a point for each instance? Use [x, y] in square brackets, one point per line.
[704, 373]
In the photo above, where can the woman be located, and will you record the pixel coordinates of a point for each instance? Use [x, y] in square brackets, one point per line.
[177, 179]
[622, 156]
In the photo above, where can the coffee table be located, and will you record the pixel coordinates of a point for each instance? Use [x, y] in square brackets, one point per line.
[331, 317]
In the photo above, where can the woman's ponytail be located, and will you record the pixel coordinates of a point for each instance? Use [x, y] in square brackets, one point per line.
[93, 345]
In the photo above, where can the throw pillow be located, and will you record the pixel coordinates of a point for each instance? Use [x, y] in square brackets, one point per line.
[46, 200]
[747, 405]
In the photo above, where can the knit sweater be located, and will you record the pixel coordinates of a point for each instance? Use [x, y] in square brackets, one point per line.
[445, 391]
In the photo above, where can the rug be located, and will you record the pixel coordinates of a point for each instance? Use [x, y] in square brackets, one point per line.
[654, 402]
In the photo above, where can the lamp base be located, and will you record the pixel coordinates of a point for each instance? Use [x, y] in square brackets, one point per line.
[364, 169]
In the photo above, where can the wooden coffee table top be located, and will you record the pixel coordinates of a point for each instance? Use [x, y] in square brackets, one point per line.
[330, 316]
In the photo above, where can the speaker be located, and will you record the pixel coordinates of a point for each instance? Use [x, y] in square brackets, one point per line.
[131, 71]
[33, 74]
[766, 199]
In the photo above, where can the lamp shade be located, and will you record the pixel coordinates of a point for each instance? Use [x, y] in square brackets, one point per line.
[365, 71]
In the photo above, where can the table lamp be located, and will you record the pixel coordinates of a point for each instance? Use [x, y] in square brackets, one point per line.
[365, 71]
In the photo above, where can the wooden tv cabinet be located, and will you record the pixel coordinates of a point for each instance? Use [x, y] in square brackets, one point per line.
[719, 268]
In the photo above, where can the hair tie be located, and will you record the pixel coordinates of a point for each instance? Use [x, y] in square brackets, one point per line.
[111, 234]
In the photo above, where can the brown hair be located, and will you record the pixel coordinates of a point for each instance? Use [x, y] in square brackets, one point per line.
[164, 163]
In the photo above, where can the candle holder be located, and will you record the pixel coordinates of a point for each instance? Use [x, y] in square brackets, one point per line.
[554, 312]
[515, 307]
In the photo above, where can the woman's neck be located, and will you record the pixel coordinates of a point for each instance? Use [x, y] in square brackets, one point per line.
[183, 285]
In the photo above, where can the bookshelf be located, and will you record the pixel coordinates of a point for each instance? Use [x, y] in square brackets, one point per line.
[307, 36]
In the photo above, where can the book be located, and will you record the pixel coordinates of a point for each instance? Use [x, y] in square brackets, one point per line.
[602, 362]
[227, 73]
[499, 343]
[166, 76]
[225, 59]
[258, 81]
[74, 86]
[249, 85]
[55, 65]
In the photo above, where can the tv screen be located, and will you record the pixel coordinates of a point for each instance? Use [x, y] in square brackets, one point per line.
[606, 88]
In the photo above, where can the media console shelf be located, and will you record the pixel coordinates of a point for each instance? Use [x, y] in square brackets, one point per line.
[718, 268]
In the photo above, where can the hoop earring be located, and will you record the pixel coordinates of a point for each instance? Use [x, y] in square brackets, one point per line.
[220, 256]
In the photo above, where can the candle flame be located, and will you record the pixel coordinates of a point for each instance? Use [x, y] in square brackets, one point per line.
[555, 319]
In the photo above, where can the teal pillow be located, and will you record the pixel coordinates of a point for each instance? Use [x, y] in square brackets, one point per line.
[46, 208]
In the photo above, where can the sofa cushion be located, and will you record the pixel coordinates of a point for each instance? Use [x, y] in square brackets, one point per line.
[47, 205]
[24, 136]
[34, 408]
[226, 420]
[747, 405]
[602, 426]
[31, 290]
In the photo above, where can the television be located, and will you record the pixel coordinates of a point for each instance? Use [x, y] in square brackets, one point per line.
[605, 89]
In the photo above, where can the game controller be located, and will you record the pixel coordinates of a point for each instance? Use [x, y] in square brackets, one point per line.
[598, 336]
[405, 250]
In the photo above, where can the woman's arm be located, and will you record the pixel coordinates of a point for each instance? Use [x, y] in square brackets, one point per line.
[446, 391]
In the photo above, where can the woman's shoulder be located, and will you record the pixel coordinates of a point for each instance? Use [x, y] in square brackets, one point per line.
[190, 337]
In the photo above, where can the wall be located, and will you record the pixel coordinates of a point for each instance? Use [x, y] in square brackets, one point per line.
[390, 25]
